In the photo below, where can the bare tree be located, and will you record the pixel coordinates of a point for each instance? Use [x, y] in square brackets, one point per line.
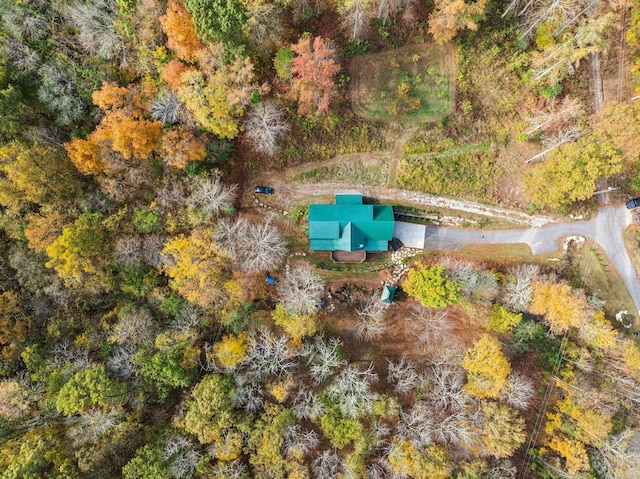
[255, 246]
[120, 362]
[228, 470]
[301, 291]
[517, 290]
[356, 15]
[323, 357]
[92, 426]
[327, 465]
[182, 456]
[387, 9]
[269, 355]
[619, 455]
[266, 126]
[64, 353]
[299, 442]
[188, 318]
[152, 246]
[351, 391]
[265, 27]
[135, 326]
[447, 392]
[556, 140]
[555, 116]
[248, 393]
[209, 197]
[518, 391]
[58, 91]
[370, 325]
[430, 325]
[474, 283]
[169, 109]
[416, 425]
[171, 196]
[307, 404]
[403, 375]
[127, 251]
[503, 469]
[95, 22]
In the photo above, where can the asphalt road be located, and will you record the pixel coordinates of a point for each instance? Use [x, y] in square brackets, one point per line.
[605, 229]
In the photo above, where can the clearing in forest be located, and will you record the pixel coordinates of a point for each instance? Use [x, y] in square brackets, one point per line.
[411, 83]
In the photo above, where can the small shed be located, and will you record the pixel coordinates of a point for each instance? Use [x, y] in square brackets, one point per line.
[388, 293]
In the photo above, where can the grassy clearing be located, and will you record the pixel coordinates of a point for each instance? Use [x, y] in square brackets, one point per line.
[318, 138]
[504, 254]
[598, 275]
[373, 173]
[412, 83]
[438, 165]
[631, 238]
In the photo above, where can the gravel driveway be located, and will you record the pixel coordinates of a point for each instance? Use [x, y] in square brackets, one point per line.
[605, 229]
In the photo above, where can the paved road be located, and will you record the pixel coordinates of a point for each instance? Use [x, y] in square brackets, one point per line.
[605, 229]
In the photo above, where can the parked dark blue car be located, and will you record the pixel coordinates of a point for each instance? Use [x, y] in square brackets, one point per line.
[266, 190]
[634, 203]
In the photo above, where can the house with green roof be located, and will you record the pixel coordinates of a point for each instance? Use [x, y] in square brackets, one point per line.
[350, 226]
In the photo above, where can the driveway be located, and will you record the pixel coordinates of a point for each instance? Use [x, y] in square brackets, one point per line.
[605, 229]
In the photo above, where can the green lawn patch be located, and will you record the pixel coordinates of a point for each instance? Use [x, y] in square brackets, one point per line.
[441, 166]
[412, 83]
[373, 173]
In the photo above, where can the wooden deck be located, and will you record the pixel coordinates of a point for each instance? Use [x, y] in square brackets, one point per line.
[349, 256]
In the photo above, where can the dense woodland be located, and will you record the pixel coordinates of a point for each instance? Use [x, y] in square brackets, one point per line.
[138, 338]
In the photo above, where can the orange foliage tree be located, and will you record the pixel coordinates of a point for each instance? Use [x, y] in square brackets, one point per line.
[181, 35]
[43, 229]
[85, 155]
[450, 16]
[172, 72]
[313, 69]
[180, 146]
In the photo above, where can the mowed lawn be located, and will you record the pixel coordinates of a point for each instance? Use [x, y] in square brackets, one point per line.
[411, 83]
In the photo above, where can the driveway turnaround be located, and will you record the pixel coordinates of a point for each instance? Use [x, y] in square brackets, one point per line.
[605, 229]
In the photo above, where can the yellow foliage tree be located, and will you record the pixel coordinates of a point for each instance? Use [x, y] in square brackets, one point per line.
[572, 451]
[230, 351]
[181, 34]
[15, 325]
[487, 368]
[504, 430]
[198, 267]
[570, 172]
[80, 251]
[561, 308]
[35, 173]
[296, 326]
[218, 93]
[406, 460]
[598, 332]
[590, 423]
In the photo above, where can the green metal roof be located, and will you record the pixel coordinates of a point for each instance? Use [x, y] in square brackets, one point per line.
[348, 199]
[350, 225]
[388, 293]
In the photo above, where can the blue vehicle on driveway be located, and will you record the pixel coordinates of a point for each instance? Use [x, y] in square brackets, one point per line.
[634, 203]
[265, 190]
